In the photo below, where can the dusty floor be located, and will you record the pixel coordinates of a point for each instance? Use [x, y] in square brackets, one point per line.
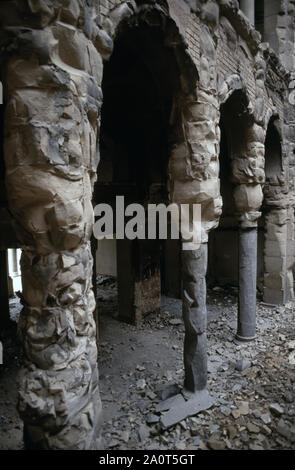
[254, 409]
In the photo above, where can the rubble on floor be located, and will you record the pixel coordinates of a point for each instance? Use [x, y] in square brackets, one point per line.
[252, 384]
[11, 426]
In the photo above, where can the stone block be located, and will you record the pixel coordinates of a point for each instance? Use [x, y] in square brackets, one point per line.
[273, 248]
[273, 281]
[198, 402]
[274, 264]
[272, 296]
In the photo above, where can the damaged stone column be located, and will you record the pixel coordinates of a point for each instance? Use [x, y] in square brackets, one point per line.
[247, 283]
[249, 176]
[194, 169]
[59, 397]
[277, 286]
[194, 268]
[53, 101]
[194, 175]
[248, 199]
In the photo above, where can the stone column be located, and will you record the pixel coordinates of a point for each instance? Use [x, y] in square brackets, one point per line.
[248, 199]
[200, 118]
[194, 179]
[194, 268]
[247, 283]
[50, 146]
[278, 254]
[248, 8]
[59, 397]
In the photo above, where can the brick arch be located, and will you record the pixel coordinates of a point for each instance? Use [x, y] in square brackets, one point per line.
[245, 133]
[247, 147]
[146, 78]
[159, 19]
[156, 20]
[231, 84]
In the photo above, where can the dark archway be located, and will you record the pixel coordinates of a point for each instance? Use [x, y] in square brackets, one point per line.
[224, 241]
[270, 248]
[141, 88]
[273, 156]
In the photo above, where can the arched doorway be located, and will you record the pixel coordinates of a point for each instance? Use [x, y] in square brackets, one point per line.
[142, 87]
[273, 223]
[223, 266]
[234, 245]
